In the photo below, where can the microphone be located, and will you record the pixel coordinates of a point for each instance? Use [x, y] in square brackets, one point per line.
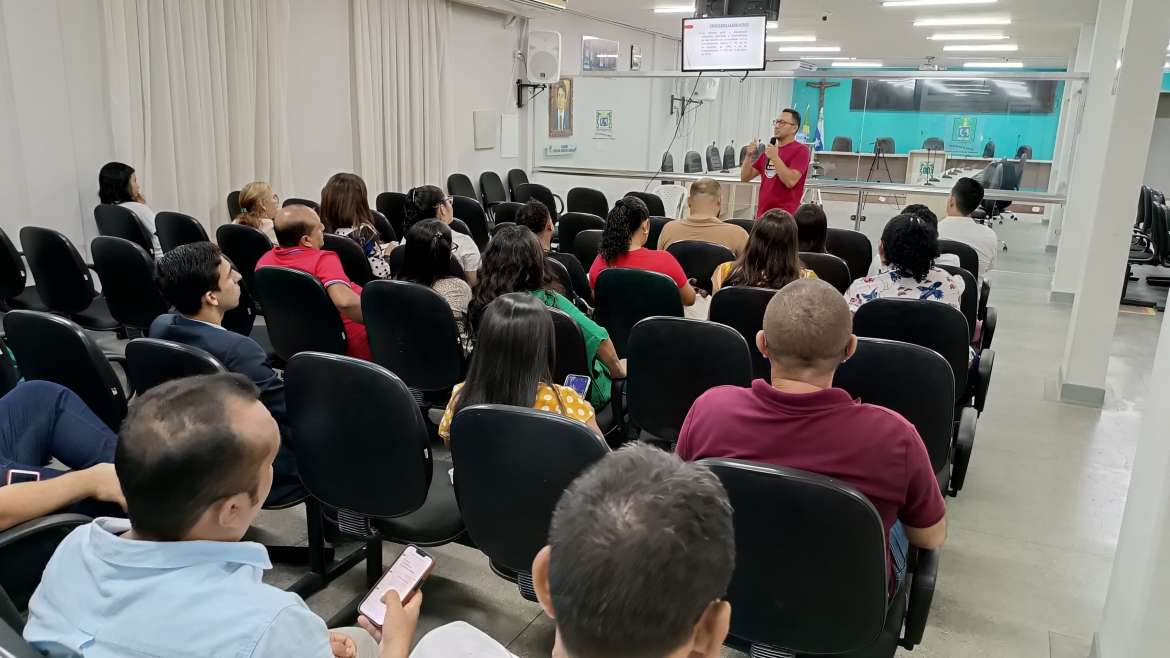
[772, 141]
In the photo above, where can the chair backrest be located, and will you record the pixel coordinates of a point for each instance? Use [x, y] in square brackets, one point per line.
[233, 205]
[471, 213]
[829, 268]
[413, 333]
[667, 162]
[585, 246]
[714, 162]
[673, 198]
[491, 189]
[152, 361]
[969, 302]
[55, 349]
[698, 355]
[884, 145]
[928, 403]
[810, 560]
[626, 296]
[353, 258]
[700, 259]
[382, 224]
[692, 163]
[587, 200]
[1013, 172]
[527, 191]
[843, 144]
[175, 228]
[516, 178]
[933, 325]
[573, 223]
[989, 149]
[1024, 152]
[63, 280]
[296, 201]
[657, 223]
[504, 212]
[742, 308]
[393, 206]
[298, 313]
[571, 355]
[460, 185]
[242, 318]
[745, 224]
[120, 222]
[653, 202]
[729, 162]
[357, 419]
[13, 276]
[24, 552]
[243, 245]
[561, 273]
[853, 247]
[511, 466]
[933, 144]
[968, 257]
[127, 276]
[570, 273]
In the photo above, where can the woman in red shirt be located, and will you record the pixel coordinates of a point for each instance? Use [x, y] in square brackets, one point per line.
[626, 230]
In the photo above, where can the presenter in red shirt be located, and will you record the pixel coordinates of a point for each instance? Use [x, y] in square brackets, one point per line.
[784, 165]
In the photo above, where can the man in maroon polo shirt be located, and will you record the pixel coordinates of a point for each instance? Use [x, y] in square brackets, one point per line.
[784, 166]
[799, 420]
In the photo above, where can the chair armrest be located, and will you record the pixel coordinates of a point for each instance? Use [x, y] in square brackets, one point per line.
[617, 400]
[560, 204]
[922, 575]
[986, 365]
[23, 531]
[964, 443]
[989, 321]
[114, 357]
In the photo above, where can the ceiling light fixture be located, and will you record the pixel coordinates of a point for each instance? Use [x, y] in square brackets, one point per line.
[929, 3]
[791, 38]
[993, 65]
[857, 65]
[983, 48]
[961, 21]
[829, 59]
[675, 9]
[772, 25]
[968, 36]
[809, 49]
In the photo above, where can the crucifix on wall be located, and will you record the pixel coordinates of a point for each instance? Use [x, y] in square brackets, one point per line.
[821, 86]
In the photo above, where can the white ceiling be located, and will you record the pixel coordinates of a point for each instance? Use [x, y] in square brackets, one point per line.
[1045, 30]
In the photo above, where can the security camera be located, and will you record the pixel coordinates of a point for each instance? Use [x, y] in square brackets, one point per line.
[825, 16]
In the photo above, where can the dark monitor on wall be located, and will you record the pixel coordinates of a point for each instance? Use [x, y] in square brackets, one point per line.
[898, 95]
[768, 8]
[955, 96]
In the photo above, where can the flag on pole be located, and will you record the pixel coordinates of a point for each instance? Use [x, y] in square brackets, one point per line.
[819, 137]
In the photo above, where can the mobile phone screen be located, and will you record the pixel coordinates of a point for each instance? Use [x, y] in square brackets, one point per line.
[579, 383]
[16, 476]
[404, 577]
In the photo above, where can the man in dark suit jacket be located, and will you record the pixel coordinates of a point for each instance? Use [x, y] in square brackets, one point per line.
[202, 286]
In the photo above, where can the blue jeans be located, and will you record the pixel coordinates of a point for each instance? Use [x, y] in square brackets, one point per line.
[41, 421]
[899, 547]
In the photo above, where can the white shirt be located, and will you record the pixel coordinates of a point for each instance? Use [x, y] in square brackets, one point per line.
[144, 213]
[981, 238]
[465, 250]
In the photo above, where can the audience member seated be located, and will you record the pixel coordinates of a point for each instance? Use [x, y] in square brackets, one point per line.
[770, 260]
[514, 262]
[345, 210]
[118, 185]
[258, 206]
[430, 202]
[703, 223]
[195, 462]
[427, 261]
[626, 230]
[812, 228]
[42, 421]
[299, 236]
[513, 362]
[966, 196]
[907, 250]
[534, 215]
[202, 286]
[799, 420]
[922, 211]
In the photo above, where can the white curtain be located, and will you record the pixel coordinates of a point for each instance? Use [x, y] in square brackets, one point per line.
[400, 94]
[197, 92]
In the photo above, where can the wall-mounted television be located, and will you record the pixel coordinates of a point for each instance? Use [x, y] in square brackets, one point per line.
[955, 96]
[724, 43]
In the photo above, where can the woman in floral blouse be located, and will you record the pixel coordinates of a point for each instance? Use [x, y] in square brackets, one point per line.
[908, 248]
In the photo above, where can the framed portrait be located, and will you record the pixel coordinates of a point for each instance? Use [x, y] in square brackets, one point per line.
[598, 54]
[560, 108]
[635, 57]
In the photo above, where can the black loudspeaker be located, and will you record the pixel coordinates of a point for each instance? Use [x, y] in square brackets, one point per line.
[769, 8]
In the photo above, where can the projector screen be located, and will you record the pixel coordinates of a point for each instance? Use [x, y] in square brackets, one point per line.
[727, 43]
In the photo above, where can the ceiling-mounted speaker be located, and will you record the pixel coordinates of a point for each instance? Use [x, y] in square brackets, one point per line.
[543, 63]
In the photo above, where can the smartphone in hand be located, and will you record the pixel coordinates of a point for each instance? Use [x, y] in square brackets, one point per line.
[405, 576]
[579, 383]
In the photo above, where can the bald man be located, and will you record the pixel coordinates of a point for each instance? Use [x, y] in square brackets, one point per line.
[702, 222]
[800, 421]
[299, 236]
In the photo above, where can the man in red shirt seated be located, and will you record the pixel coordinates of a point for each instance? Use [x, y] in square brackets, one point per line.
[799, 420]
[300, 234]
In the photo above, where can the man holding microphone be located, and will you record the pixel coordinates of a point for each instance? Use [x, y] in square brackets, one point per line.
[784, 165]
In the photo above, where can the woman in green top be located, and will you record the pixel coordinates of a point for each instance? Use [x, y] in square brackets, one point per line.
[514, 262]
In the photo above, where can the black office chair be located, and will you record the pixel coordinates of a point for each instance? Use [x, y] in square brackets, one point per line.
[842, 144]
[393, 206]
[298, 313]
[968, 257]
[667, 162]
[587, 200]
[714, 162]
[127, 276]
[175, 228]
[692, 163]
[491, 189]
[934, 144]
[460, 185]
[152, 361]
[811, 571]
[989, 149]
[242, 318]
[743, 152]
[512, 465]
[13, 277]
[586, 245]
[516, 178]
[729, 161]
[353, 258]
[746, 224]
[120, 222]
[742, 308]
[626, 296]
[884, 145]
[295, 201]
[657, 223]
[969, 302]
[63, 280]
[525, 192]
[25, 550]
[244, 246]
[653, 202]
[928, 404]
[578, 277]
[504, 212]
[829, 268]
[233, 206]
[853, 247]
[660, 391]
[571, 359]
[468, 210]
[700, 260]
[573, 223]
[382, 224]
[52, 348]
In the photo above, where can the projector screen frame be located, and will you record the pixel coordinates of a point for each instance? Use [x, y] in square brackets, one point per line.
[682, 44]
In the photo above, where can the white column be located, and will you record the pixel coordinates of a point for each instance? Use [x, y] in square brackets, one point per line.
[1133, 86]
[1088, 168]
[1071, 110]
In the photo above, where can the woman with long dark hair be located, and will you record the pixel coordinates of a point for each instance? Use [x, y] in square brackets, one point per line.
[430, 202]
[427, 261]
[345, 210]
[513, 362]
[118, 185]
[514, 262]
[812, 228]
[622, 245]
[770, 259]
[908, 248]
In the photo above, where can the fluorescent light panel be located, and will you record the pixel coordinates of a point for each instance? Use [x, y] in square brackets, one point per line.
[968, 36]
[809, 49]
[829, 59]
[675, 9]
[929, 3]
[772, 25]
[791, 38]
[982, 48]
[993, 65]
[857, 65]
[962, 21]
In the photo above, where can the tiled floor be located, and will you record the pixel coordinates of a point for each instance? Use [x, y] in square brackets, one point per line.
[1032, 535]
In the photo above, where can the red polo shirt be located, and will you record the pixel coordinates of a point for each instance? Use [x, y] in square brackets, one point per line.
[326, 267]
[871, 448]
[773, 192]
[641, 259]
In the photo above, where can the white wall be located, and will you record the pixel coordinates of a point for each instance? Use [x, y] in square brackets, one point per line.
[1158, 166]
